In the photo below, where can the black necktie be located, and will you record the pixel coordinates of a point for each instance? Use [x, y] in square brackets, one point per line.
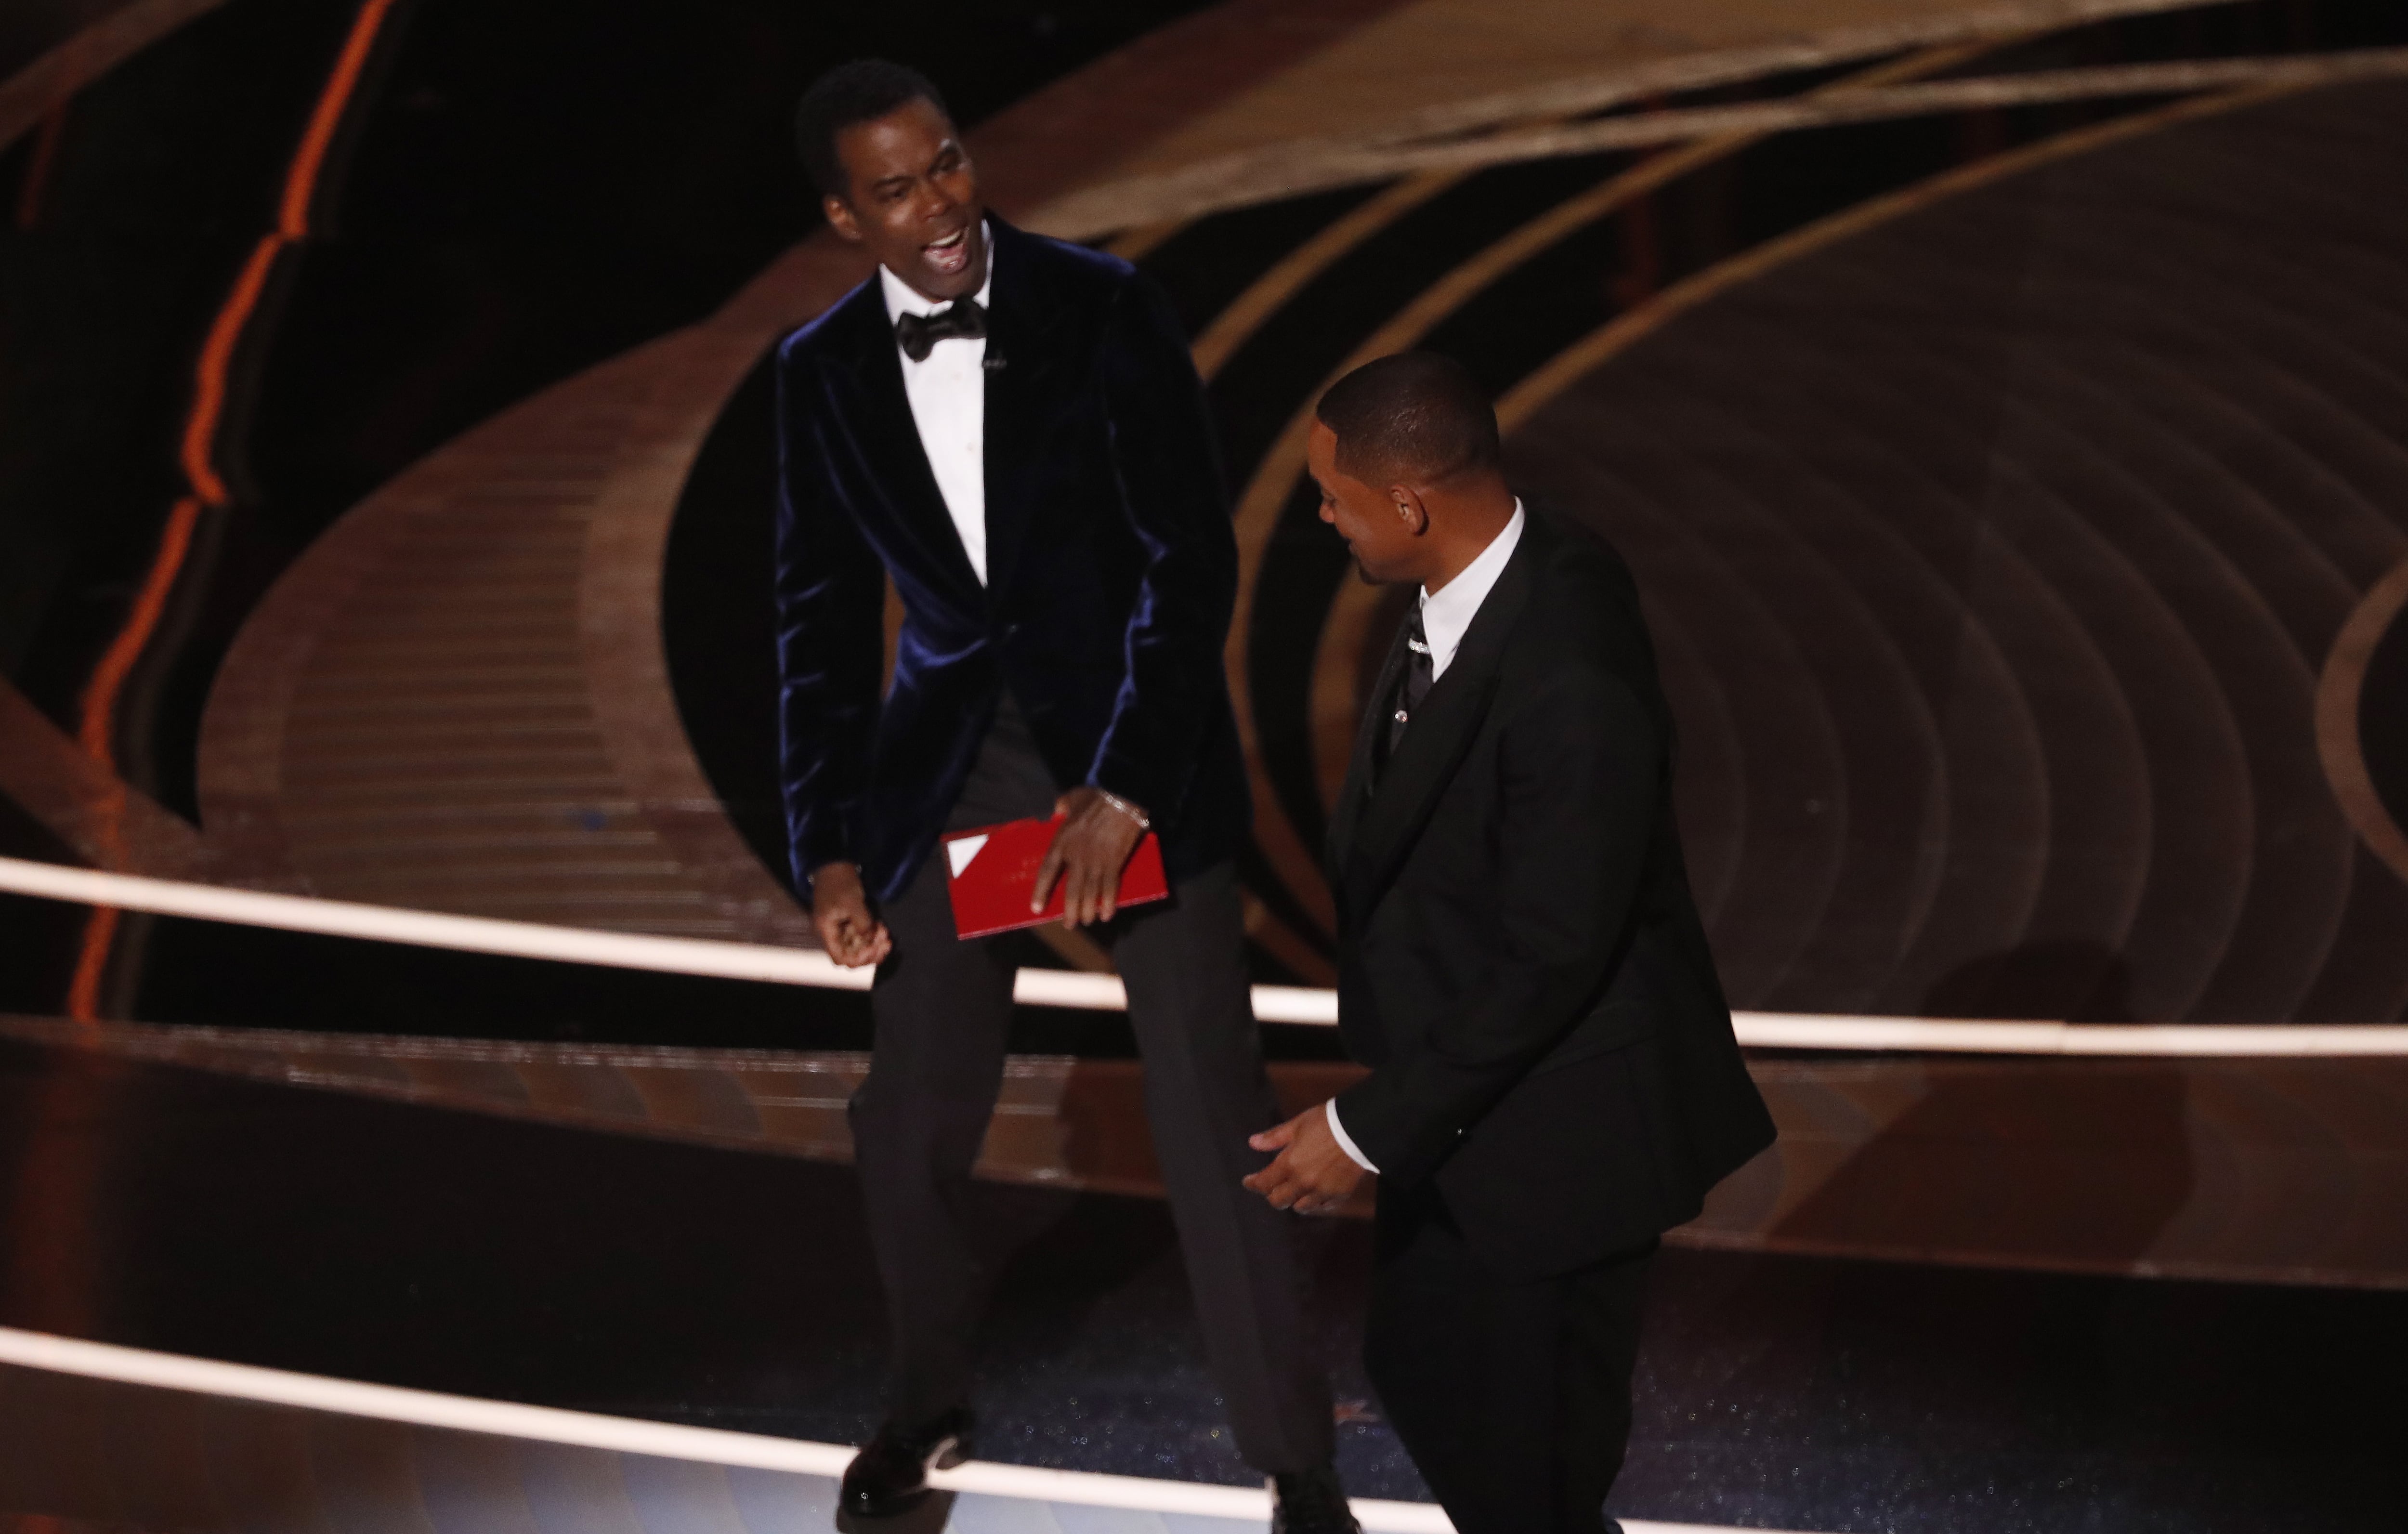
[1412, 686]
[919, 334]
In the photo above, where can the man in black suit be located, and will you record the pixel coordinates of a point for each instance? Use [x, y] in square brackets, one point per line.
[1553, 1078]
[1011, 430]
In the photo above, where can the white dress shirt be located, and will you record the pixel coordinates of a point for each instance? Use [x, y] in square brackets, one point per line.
[1449, 611]
[1445, 615]
[948, 395]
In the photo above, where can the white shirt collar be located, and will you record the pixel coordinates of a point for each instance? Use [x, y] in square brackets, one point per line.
[903, 298]
[1448, 612]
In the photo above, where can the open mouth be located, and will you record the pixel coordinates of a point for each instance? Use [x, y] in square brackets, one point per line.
[950, 255]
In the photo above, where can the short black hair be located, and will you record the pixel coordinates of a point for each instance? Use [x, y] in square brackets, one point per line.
[1416, 414]
[863, 91]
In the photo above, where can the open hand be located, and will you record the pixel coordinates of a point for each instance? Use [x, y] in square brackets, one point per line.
[1312, 1174]
[840, 913]
[1087, 857]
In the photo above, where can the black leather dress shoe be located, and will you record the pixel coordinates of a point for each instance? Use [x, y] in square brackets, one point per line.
[1311, 1502]
[890, 1475]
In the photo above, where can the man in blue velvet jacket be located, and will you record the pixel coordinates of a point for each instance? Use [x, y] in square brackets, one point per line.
[1011, 430]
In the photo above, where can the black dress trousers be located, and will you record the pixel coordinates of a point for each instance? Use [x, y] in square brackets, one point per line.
[941, 1008]
[1512, 1395]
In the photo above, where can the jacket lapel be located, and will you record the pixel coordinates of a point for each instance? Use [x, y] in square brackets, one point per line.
[1435, 742]
[877, 414]
[1022, 395]
[1348, 813]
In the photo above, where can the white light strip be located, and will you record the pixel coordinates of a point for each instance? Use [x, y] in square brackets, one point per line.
[1105, 994]
[668, 1441]
[1811, 1030]
[1081, 990]
[429, 928]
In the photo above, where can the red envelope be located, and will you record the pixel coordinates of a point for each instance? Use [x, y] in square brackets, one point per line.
[992, 871]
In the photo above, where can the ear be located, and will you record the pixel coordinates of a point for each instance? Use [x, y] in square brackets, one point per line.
[840, 219]
[1407, 503]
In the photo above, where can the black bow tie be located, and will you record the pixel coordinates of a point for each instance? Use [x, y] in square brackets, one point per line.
[917, 334]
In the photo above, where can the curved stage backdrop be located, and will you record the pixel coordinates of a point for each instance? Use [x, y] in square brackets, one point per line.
[2003, 404]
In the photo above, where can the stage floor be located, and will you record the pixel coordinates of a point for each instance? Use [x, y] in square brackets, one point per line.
[194, 1214]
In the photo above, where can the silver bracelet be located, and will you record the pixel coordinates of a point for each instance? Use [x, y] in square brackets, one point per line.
[1144, 823]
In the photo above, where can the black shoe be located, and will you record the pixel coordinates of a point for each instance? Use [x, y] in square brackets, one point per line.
[1311, 1502]
[890, 1475]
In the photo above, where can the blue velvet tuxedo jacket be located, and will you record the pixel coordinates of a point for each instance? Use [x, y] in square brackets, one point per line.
[1112, 572]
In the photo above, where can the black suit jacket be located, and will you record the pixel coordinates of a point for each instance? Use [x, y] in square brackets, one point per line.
[1112, 570]
[1520, 961]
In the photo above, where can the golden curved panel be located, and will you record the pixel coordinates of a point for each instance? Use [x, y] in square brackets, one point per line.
[2200, 492]
[2337, 717]
[1527, 398]
[1276, 476]
[2257, 1170]
[91, 50]
[1268, 293]
[1439, 74]
[89, 808]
